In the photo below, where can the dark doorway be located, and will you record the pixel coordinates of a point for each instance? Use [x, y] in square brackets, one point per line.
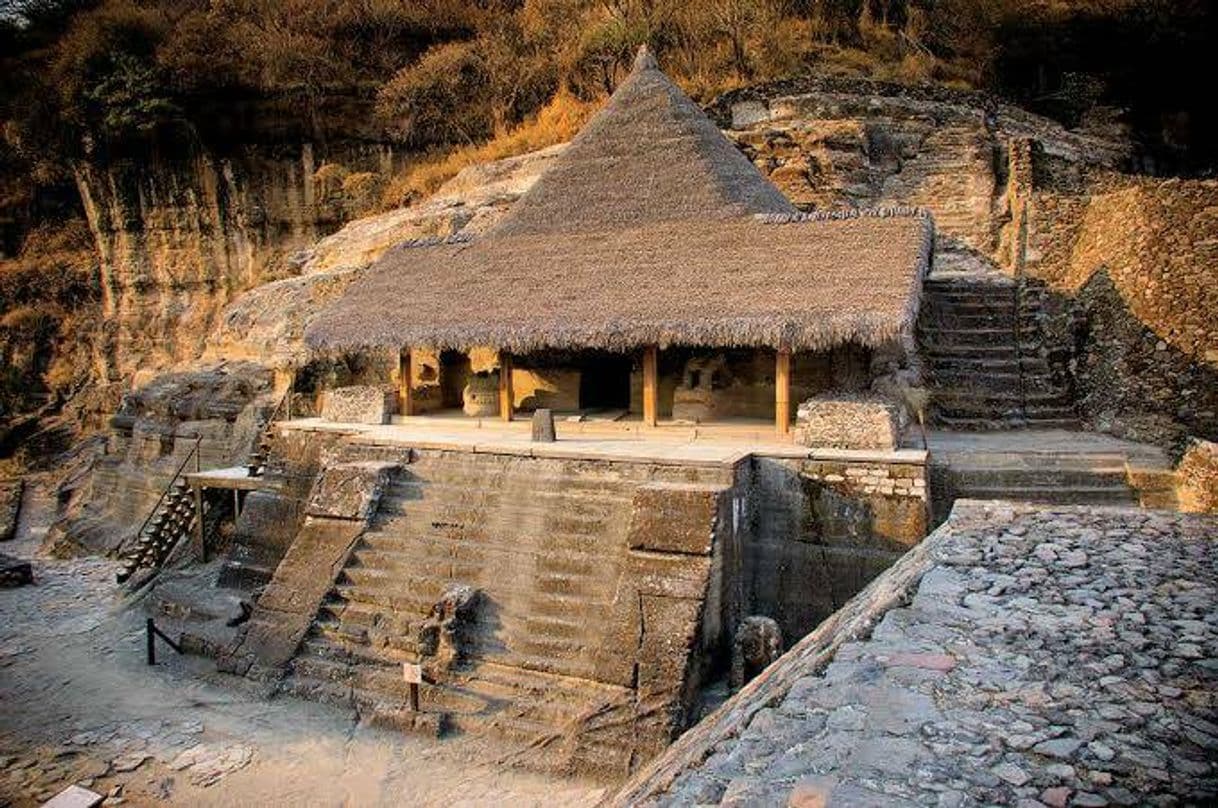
[604, 382]
[454, 375]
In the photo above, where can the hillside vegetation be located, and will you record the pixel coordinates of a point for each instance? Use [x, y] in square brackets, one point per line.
[80, 77]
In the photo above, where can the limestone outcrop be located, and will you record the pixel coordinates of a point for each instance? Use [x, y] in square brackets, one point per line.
[266, 324]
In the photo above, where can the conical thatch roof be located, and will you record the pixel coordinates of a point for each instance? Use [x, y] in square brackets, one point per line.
[651, 229]
[650, 155]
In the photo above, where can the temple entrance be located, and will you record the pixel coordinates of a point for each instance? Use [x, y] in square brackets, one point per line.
[454, 374]
[604, 382]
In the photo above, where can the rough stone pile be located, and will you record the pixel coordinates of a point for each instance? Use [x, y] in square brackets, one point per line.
[1063, 656]
[847, 421]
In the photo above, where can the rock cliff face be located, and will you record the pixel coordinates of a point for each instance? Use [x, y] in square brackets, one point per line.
[179, 239]
[267, 324]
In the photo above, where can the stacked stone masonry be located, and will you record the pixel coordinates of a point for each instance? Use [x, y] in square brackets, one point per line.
[1197, 478]
[859, 422]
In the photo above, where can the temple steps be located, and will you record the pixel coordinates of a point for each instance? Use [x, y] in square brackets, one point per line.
[544, 543]
[981, 338]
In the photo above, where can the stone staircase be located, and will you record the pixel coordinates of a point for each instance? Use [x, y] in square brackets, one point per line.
[174, 518]
[983, 348]
[543, 540]
[1047, 466]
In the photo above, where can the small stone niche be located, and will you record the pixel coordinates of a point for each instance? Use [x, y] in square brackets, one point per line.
[361, 404]
[848, 421]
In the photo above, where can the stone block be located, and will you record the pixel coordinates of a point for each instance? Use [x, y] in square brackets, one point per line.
[1197, 475]
[675, 518]
[543, 426]
[74, 797]
[10, 507]
[349, 490]
[360, 404]
[848, 422]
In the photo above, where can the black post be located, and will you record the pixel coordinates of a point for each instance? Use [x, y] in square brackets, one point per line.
[414, 697]
[151, 629]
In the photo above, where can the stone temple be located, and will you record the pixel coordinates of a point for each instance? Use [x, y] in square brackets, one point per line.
[736, 388]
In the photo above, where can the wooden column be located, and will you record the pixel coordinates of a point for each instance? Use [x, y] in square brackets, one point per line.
[200, 537]
[782, 392]
[650, 385]
[405, 392]
[505, 386]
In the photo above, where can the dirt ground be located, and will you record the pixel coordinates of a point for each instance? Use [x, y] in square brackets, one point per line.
[79, 705]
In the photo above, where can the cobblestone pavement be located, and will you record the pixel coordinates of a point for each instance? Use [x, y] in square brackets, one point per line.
[79, 706]
[1063, 656]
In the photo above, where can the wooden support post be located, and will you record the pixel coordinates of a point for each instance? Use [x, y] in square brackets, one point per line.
[505, 385]
[782, 393]
[150, 641]
[651, 385]
[405, 393]
[200, 546]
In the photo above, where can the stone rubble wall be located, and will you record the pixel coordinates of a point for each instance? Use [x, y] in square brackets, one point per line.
[1197, 478]
[1132, 266]
[359, 404]
[847, 422]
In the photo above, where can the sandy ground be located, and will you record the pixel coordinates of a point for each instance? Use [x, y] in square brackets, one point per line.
[79, 705]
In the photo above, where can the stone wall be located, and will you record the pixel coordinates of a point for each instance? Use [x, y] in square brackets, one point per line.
[847, 422]
[821, 528]
[1197, 478]
[1132, 266]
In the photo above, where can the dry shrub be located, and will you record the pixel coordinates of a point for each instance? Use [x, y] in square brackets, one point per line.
[361, 190]
[556, 122]
[328, 181]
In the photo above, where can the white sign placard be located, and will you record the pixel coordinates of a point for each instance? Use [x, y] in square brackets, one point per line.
[412, 673]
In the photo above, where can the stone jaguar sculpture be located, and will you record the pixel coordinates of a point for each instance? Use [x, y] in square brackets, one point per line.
[442, 636]
[758, 643]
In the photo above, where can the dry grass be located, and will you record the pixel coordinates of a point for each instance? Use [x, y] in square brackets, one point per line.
[558, 121]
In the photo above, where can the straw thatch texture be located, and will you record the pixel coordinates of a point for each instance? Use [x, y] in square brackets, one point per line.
[650, 155]
[804, 282]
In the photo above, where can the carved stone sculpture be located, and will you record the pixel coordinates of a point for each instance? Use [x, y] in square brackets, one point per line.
[443, 636]
[758, 643]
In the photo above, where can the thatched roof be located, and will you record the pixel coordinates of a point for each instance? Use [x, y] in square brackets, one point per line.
[805, 283]
[651, 228]
[650, 155]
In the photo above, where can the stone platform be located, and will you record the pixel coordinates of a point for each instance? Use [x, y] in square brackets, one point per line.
[719, 444]
[1021, 655]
